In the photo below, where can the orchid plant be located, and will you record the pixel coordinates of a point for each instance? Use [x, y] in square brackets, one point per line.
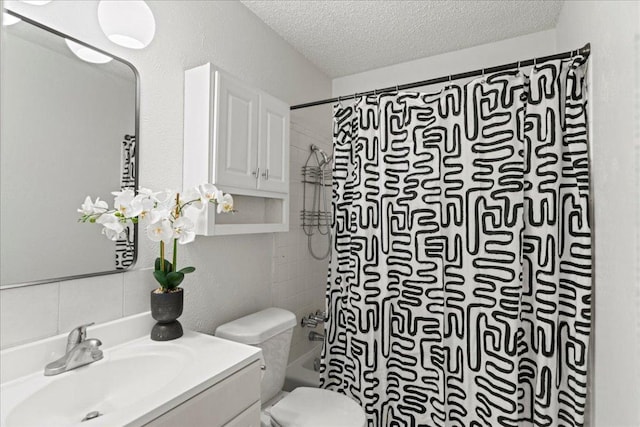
[163, 213]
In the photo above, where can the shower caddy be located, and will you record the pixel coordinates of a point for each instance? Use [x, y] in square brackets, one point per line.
[316, 214]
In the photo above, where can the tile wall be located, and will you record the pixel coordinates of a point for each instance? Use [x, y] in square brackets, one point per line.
[299, 280]
[34, 312]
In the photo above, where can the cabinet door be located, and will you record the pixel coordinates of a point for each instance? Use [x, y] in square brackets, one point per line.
[273, 147]
[236, 134]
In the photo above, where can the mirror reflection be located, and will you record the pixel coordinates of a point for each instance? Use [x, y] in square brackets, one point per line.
[68, 130]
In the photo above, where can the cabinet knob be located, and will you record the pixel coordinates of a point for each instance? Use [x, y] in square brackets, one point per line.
[265, 174]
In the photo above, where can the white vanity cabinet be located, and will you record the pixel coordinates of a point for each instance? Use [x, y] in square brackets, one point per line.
[236, 137]
[234, 401]
[195, 381]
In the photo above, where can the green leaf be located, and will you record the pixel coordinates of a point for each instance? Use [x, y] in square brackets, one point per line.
[167, 265]
[187, 270]
[174, 279]
[161, 277]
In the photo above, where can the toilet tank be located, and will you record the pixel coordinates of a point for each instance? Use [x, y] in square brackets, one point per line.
[271, 330]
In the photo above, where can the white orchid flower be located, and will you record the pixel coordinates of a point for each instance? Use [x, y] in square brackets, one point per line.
[112, 227]
[160, 230]
[91, 208]
[159, 214]
[226, 204]
[183, 230]
[146, 192]
[194, 196]
[210, 192]
[166, 199]
[147, 204]
[126, 203]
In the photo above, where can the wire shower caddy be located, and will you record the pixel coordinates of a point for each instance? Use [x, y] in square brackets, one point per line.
[315, 215]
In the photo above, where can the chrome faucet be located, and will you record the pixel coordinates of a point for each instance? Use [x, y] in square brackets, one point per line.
[80, 351]
[314, 336]
[319, 317]
[312, 320]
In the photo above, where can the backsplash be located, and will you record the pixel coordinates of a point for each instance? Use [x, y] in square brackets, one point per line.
[34, 312]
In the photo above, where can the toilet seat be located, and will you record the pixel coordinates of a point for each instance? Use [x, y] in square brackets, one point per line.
[316, 407]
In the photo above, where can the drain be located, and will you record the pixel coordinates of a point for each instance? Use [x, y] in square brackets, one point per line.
[91, 415]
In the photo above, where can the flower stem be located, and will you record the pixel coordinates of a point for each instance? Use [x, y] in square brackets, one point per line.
[175, 241]
[175, 254]
[161, 255]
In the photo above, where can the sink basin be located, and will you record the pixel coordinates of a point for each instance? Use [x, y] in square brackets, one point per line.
[133, 384]
[105, 386]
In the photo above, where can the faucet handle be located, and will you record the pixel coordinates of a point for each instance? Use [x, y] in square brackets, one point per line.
[77, 335]
[321, 313]
[308, 322]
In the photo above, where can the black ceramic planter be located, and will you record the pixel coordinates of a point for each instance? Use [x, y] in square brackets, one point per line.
[165, 309]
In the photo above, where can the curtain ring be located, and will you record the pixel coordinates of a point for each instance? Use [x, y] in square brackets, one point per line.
[483, 78]
[535, 64]
[340, 101]
[397, 89]
[519, 73]
[448, 86]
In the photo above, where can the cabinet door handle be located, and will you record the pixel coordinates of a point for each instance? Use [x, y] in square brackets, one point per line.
[256, 173]
[265, 174]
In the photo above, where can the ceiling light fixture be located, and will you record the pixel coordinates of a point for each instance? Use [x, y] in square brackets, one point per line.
[86, 53]
[129, 23]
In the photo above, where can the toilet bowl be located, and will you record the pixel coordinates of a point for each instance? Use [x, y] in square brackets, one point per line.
[316, 407]
[271, 330]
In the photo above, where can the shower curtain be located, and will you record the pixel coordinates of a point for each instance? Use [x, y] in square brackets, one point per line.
[460, 278]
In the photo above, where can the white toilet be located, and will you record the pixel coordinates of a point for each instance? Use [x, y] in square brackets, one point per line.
[271, 330]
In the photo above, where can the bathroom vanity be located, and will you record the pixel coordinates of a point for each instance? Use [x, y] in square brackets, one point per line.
[195, 380]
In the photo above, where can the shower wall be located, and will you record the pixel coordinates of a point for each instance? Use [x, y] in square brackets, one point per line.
[299, 280]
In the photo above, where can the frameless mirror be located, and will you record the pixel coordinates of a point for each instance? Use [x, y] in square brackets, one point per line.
[68, 129]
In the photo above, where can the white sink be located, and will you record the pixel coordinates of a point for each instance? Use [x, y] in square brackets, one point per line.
[135, 382]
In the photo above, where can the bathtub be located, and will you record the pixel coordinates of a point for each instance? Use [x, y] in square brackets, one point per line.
[301, 373]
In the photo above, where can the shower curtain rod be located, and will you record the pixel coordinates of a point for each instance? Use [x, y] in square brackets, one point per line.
[585, 51]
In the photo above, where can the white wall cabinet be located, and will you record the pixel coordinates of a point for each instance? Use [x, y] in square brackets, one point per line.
[236, 137]
[273, 146]
[235, 133]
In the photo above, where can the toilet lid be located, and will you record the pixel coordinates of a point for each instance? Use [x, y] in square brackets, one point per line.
[316, 407]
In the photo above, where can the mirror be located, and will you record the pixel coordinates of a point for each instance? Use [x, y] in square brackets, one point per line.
[68, 130]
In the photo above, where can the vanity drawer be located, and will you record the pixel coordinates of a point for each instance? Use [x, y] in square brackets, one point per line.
[249, 418]
[219, 404]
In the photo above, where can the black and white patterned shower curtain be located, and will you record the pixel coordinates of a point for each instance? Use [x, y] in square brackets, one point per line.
[460, 280]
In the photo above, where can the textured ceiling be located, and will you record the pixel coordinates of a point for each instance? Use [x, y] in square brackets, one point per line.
[347, 37]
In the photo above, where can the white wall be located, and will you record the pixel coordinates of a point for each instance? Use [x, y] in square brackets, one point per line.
[612, 29]
[234, 274]
[483, 56]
